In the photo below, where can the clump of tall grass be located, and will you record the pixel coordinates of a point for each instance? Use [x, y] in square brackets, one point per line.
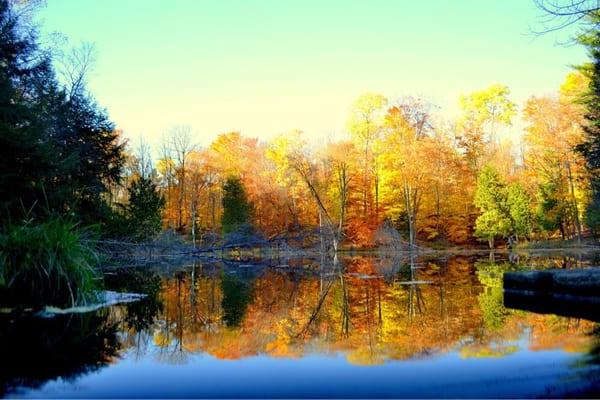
[46, 263]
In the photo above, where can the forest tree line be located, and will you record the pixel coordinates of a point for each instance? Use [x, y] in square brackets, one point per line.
[402, 166]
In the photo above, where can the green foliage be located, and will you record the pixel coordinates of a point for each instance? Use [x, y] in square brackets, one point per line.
[491, 199]
[592, 216]
[590, 147]
[89, 141]
[27, 157]
[144, 208]
[550, 210]
[236, 208]
[46, 263]
[519, 204]
[505, 210]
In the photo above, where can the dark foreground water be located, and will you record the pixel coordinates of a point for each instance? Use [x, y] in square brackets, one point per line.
[371, 327]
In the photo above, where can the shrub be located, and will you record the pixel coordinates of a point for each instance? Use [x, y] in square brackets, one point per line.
[46, 263]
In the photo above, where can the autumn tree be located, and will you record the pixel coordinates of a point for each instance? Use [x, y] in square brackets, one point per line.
[483, 113]
[365, 126]
[403, 154]
[552, 134]
[309, 173]
[292, 191]
[166, 172]
[339, 167]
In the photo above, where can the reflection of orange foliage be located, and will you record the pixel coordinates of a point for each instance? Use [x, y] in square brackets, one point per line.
[551, 332]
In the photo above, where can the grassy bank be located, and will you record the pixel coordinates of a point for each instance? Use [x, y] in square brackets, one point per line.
[46, 263]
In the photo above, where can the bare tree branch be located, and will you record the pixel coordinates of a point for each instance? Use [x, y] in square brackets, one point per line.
[559, 14]
[75, 66]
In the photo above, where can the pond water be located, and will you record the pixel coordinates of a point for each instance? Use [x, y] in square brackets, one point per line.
[372, 326]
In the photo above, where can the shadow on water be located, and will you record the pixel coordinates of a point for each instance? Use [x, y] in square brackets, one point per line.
[365, 310]
[35, 350]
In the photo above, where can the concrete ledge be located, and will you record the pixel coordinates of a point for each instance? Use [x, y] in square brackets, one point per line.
[569, 293]
[577, 282]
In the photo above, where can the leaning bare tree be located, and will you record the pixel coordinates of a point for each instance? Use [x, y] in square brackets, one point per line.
[306, 170]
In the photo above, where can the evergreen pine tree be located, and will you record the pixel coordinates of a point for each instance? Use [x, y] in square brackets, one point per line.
[519, 204]
[590, 148]
[27, 157]
[490, 198]
[144, 208]
[236, 208]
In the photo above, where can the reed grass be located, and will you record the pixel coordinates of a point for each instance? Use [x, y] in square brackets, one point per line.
[46, 263]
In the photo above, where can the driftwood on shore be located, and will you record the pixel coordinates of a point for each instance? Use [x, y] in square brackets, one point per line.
[172, 248]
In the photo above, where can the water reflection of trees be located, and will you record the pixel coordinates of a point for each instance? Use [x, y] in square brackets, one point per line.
[365, 307]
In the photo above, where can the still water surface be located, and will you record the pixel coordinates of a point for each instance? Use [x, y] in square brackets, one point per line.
[387, 326]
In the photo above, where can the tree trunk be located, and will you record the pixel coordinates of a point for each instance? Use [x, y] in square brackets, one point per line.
[365, 179]
[321, 232]
[194, 223]
[574, 201]
[377, 196]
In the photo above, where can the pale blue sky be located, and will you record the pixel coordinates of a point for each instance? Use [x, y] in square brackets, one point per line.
[266, 67]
